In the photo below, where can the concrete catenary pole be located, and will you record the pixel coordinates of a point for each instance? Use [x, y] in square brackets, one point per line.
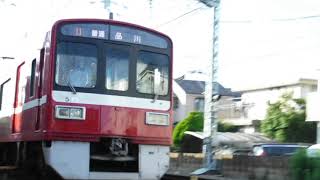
[211, 94]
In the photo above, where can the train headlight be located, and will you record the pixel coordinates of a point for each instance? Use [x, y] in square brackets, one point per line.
[70, 112]
[76, 113]
[161, 119]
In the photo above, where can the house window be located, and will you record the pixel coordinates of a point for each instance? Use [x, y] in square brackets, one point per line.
[175, 103]
[199, 104]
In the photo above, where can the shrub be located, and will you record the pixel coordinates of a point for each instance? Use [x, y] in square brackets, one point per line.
[304, 167]
[226, 127]
[194, 122]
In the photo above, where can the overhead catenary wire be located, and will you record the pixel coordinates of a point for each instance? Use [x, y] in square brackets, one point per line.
[298, 18]
[239, 21]
[180, 16]
[274, 19]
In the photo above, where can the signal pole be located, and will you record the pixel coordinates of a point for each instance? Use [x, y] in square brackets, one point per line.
[211, 94]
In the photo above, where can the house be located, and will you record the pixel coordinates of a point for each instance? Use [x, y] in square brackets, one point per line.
[189, 96]
[254, 102]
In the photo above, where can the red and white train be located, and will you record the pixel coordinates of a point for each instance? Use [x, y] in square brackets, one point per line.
[95, 104]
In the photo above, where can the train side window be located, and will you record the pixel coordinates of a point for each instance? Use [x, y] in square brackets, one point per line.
[32, 79]
[1, 92]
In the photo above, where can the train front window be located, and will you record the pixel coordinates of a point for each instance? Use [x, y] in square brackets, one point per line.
[117, 69]
[76, 65]
[148, 65]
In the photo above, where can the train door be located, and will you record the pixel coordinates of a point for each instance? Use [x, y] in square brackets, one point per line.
[19, 99]
[30, 107]
[39, 89]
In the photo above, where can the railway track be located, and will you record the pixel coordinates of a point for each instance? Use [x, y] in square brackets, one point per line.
[181, 177]
[14, 173]
[174, 177]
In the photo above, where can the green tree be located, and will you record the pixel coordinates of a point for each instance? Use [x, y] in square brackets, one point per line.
[194, 122]
[227, 127]
[285, 121]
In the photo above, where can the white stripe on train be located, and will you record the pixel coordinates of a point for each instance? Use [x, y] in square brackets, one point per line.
[31, 104]
[110, 100]
[97, 99]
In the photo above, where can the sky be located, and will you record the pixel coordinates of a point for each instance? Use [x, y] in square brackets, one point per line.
[262, 42]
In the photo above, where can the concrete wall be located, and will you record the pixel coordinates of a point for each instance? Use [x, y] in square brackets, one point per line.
[185, 163]
[257, 168]
[240, 167]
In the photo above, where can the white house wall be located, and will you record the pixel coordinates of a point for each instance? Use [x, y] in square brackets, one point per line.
[259, 100]
[180, 112]
[191, 101]
[185, 104]
[306, 89]
[184, 109]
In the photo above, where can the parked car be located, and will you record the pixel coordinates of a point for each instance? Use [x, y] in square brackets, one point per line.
[229, 153]
[276, 149]
[314, 151]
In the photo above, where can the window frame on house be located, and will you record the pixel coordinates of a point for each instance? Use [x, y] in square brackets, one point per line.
[175, 102]
[196, 105]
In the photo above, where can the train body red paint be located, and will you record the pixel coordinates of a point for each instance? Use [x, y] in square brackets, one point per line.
[99, 91]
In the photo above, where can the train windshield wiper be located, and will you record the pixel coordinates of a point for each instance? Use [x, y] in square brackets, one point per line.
[155, 98]
[72, 88]
[156, 84]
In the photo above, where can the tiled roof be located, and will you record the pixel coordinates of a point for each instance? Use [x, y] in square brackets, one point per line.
[198, 87]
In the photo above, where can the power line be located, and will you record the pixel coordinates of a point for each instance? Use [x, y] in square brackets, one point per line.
[182, 15]
[298, 18]
[240, 21]
[236, 21]
[274, 20]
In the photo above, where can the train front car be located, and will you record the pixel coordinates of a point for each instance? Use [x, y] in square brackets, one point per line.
[110, 102]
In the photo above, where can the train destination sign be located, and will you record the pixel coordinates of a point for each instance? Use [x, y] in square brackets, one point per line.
[115, 33]
[136, 36]
[100, 31]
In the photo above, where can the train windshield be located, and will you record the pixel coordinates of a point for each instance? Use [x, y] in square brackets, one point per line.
[148, 65]
[76, 65]
[112, 59]
[117, 69]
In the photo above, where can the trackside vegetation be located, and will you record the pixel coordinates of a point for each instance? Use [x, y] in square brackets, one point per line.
[194, 122]
[285, 121]
[304, 167]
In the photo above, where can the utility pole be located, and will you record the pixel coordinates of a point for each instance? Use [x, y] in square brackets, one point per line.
[211, 94]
